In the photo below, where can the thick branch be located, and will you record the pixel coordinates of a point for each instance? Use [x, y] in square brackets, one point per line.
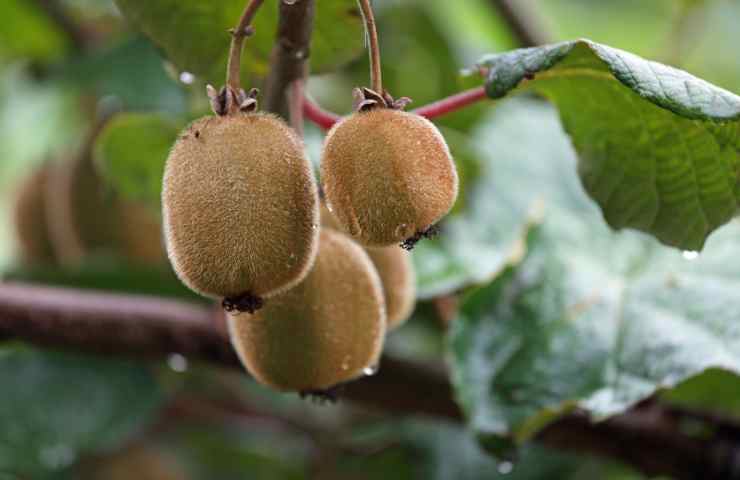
[523, 20]
[290, 54]
[649, 437]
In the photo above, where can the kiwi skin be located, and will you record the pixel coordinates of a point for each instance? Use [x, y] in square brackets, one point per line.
[240, 207]
[396, 273]
[325, 331]
[30, 219]
[388, 175]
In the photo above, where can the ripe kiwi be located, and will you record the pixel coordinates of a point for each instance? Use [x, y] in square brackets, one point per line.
[240, 207]
[30, 215]
[388, 175]
[327, 330]
[396, 275]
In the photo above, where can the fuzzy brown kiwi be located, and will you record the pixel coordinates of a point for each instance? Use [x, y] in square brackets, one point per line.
[327, 330]
[396, 275]
[240, 207]
[388, 175]
[30, 219]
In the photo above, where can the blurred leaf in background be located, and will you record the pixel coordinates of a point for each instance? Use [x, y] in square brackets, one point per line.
[57, 407]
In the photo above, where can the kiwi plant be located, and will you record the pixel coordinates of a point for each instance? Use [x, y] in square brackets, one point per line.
[241, 214]
[396, 275]
[326, 331]
[240, 203]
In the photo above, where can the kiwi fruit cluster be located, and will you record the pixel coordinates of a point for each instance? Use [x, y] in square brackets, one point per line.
[65, 214]
[388, 176]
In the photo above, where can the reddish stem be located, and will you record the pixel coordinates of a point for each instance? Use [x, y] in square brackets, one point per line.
[326, 119]
[323, 118]
[451, 104]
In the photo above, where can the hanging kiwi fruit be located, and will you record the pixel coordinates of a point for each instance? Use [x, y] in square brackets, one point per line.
[240, 203]
[327, 330]
[86, 218]
[396, 273]
[388, 175]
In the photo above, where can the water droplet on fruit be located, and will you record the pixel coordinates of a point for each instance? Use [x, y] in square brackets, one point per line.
[690, 254]
[370, 371]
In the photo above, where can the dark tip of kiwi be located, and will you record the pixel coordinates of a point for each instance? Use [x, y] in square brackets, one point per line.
[327, 396]
[411, 242]
[246, 302]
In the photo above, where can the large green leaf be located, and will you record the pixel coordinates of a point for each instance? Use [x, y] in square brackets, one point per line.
[658, 148]
[591, 319]
[194, 34]
[56, 407]
[131, 152]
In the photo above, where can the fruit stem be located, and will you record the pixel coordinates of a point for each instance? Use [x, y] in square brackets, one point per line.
[326, 119]
[242, 30]
[452, 103]
[376, 78]
[323, 118]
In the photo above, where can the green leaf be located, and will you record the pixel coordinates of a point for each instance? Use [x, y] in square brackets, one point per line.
[132, 71]
[658, 148]
[194, 34]
[57, 407]
[591, 319]
[131, 152]
[28, 33]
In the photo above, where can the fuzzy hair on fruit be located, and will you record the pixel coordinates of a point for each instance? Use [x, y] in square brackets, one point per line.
[240, 206]
[388, 175]
[396, 272]
[327, 330]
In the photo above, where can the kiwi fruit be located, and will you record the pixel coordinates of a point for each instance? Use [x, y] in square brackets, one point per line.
[240, 207]
[86, 218]
[326, 331]
[388, 175]
[30, 219]
[396, 275]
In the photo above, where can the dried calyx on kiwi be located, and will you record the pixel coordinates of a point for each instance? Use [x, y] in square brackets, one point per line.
[388, 175]
[240, 204]
[396, 275]
[326, 331]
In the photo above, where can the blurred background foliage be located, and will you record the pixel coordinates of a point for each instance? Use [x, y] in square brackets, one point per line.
[68, 65]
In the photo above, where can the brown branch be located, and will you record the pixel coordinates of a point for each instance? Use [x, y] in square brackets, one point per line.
[290, 54]
[524, 21]
[649, 437]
